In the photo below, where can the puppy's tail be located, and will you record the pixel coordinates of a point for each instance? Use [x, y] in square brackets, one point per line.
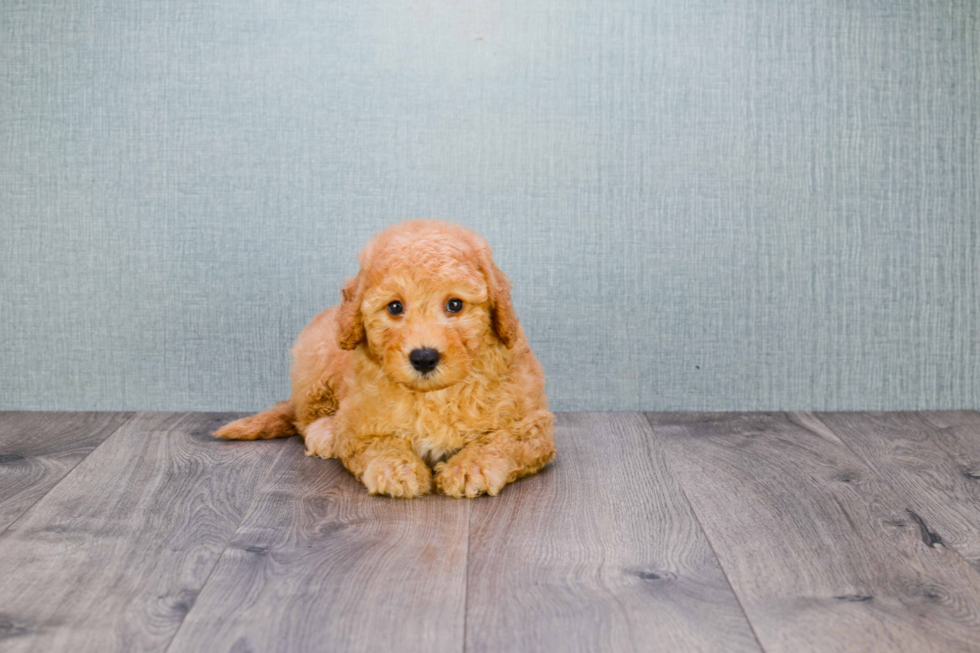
[277, 422]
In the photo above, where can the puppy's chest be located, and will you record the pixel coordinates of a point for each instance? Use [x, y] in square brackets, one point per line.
[438, 424]
[437, 432]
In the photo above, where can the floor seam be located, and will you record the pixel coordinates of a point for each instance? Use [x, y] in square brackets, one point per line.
[897, 489]
[697, 518]
[71, 471]
[225, 547]
[466, 570]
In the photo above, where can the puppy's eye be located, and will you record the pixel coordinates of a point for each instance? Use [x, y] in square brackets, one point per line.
[454, 305]
[396, 308]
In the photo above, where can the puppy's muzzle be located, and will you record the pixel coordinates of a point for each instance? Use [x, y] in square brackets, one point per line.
[424, 360]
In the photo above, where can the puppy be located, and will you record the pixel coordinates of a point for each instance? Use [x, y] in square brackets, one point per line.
[422, 376]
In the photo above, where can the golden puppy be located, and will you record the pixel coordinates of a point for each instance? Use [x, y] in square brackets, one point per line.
[423, 363]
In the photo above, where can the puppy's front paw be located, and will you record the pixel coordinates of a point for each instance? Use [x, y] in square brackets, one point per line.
[397, 476]
[319, 438]
[469, 474]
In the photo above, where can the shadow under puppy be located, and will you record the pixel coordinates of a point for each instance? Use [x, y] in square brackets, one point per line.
[423, 363]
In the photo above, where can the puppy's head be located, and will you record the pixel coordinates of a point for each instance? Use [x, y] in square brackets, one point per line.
[427, 299]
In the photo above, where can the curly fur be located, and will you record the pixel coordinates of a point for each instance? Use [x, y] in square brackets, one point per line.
[478, 421]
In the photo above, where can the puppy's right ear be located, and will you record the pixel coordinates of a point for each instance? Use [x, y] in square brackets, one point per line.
[350, 326]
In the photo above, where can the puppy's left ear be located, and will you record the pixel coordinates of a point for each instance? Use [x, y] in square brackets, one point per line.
[505, 323]
[350, 326]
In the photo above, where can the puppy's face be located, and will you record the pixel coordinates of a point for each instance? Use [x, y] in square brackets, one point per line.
[427, 299]
[426, 328]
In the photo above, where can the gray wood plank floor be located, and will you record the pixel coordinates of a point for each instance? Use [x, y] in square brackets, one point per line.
[599, 553]
[931, 459]
[821, 551]
[680, 532]
[38, 449]
[317, 564]
[112, 557]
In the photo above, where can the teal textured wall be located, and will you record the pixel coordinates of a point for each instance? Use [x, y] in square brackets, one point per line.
[703, 205]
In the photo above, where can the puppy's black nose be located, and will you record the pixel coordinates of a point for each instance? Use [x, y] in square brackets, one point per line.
[424, 360]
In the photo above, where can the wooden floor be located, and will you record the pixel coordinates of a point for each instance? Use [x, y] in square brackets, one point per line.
[771, 532]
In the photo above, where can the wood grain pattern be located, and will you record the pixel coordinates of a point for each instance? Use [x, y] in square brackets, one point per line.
[112, 558]
[932, 459]
[822, 553]
[838, 532]
[38, 449]
[318, 564]
[600, 552]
